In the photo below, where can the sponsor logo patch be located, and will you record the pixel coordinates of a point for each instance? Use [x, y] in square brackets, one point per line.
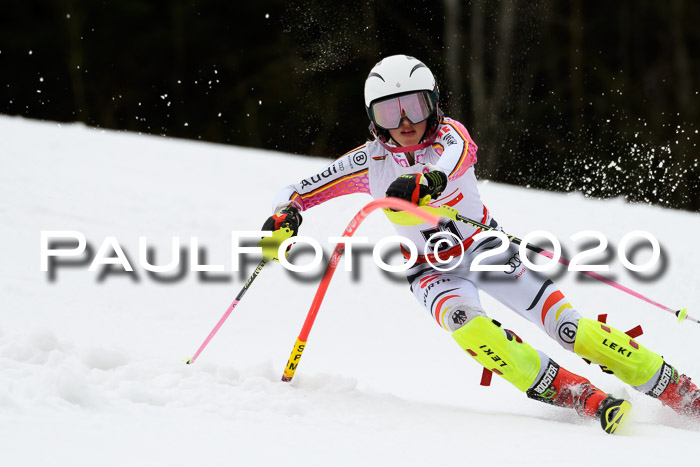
[664, 380]
[567, 332]
[359, 158]
[547, 378]
[513, 263]
[459, 317]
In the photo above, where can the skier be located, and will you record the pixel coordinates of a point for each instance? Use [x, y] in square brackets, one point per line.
[418, 154]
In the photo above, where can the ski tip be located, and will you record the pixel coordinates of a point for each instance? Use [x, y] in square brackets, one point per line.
[615, 415]
[188, 361]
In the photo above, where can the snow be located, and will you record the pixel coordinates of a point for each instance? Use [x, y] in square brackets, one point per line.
[91, 365]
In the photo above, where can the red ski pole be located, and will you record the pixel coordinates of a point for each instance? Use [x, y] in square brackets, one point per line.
[392, 203]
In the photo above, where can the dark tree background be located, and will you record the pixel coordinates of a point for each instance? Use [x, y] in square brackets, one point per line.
[597, 96]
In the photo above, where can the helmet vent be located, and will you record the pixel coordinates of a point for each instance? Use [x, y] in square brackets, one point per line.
[420, 65]
[377, 75]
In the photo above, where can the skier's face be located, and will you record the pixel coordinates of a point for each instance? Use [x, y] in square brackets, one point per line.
[408, 134]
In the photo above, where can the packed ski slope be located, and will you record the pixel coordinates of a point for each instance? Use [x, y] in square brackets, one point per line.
[91, 364]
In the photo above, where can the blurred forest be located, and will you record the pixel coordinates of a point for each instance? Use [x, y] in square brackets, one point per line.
[598, 97]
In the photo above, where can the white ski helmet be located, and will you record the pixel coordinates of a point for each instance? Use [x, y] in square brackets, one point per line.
[399, 75]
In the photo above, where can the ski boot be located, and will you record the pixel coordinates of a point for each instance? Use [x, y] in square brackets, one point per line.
[677, 391]
[561, 388]
[636, 365]
[502, 352]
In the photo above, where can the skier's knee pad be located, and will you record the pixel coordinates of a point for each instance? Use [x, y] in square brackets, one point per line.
[500, 351]
[601, 344]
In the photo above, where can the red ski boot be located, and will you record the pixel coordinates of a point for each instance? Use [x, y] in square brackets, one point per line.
[565, 389]
[677, 391]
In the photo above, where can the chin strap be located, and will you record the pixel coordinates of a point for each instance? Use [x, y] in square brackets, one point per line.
[400, 149]
[413, 148]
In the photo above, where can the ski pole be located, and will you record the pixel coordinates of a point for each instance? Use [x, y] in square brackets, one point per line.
[228, 311]
[681, 314]
[392, 203]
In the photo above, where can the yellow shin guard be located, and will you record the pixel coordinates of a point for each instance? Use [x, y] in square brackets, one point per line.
[516, 361]
[601, 344]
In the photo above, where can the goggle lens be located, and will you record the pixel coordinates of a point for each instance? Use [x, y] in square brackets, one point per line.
[388, 114]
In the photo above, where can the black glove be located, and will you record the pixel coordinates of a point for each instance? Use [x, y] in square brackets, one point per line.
[286, 217]
[415, 187]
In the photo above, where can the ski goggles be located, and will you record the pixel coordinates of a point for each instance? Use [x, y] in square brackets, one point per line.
[389, 113]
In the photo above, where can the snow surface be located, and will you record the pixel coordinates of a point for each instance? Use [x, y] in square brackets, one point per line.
[92, 372]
